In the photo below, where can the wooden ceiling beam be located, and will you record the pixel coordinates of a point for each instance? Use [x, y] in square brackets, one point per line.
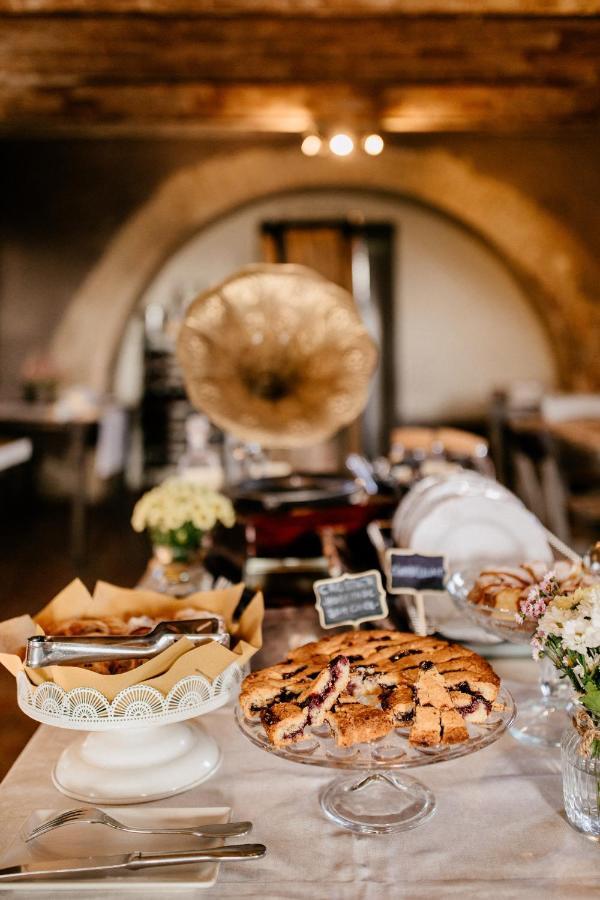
[72, 51]
[134, 73]
[317, 8]
[198, 107]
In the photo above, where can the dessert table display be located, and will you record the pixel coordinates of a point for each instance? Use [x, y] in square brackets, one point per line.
[499, 827]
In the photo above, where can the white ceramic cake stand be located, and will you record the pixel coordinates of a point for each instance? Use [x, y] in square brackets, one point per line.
[543, 715]
[141, 746]
[381, 799]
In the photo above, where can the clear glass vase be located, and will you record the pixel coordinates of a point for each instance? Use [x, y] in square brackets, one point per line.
[177, 574]
[543, 715]
[581, 785]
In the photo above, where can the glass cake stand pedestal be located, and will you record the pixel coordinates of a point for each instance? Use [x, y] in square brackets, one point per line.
[545, 712]
[375, 796]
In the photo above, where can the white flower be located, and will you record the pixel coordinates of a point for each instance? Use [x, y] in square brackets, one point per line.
[575, 619]
[176, 503]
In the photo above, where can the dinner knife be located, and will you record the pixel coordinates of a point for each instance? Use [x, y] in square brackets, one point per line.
[92, 865]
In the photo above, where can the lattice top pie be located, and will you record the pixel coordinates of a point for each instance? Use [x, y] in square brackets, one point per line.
[363, 684]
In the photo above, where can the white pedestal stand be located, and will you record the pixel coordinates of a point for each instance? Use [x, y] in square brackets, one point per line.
[139, 747]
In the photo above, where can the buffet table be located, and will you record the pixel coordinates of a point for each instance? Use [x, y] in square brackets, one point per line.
[499, 829]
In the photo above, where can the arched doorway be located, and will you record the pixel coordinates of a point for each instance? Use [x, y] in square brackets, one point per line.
[538, 249]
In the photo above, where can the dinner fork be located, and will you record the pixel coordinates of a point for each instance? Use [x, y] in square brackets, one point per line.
[92, 815]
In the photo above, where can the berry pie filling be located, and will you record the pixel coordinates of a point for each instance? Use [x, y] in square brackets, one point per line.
[268, 717]
[291, 735]
[337, 668]
[283, 696]
[478, 699]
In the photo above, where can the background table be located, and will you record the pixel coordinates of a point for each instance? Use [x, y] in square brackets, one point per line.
[499, 829]
[14, 453]
[35, 419]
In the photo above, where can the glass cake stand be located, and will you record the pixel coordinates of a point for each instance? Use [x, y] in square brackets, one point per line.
[543, 715]
[381, 799]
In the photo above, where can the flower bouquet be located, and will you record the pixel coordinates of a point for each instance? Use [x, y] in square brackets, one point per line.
[178, 516]
[568, 635]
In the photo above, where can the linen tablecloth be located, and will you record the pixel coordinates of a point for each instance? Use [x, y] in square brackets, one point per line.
[499, 829]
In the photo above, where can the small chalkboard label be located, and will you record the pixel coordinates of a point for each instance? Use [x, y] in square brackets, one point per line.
[350, 599]
[409, 572]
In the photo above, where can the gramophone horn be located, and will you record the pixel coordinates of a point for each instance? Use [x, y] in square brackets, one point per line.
[277, 355]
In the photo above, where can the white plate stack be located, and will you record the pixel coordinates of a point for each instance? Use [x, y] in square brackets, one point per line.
[469, 518]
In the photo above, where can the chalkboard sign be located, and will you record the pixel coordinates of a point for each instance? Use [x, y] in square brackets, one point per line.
[350, 599]
[410, 573]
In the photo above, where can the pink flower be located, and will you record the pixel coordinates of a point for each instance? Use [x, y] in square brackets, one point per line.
[536, 646]
[534, 607]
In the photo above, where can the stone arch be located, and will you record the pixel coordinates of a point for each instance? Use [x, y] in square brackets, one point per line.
[555, 268]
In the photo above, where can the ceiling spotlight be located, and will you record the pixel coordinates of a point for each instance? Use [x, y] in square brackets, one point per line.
[373, 144]
[311, 145]
[341, 144]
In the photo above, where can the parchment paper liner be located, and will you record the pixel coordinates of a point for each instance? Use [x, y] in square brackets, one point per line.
[161, 672]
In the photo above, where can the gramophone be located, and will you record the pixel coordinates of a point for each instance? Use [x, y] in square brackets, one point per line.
[278, 356]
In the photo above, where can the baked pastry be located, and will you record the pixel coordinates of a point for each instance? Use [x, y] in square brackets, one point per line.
[430, 688]
[364, 684]
[399, 702]
[454, 730]
[358, 724]
[427, 727]
[325, 690]
[506, 587]
[285, 722]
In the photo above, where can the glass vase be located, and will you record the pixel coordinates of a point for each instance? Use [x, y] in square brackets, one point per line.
[176, 572]
[543, 715]
[581, 785]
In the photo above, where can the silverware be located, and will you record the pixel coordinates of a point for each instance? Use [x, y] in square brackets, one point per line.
[47, 650]
[92, 815]
[137, 860]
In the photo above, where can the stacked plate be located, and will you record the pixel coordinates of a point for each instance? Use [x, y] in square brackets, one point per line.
[471, 520]
[468, 518]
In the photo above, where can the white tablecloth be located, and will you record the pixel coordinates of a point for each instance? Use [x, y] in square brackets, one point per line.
[499, 829]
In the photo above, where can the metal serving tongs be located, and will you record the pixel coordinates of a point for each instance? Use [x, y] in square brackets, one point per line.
[48, 650]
